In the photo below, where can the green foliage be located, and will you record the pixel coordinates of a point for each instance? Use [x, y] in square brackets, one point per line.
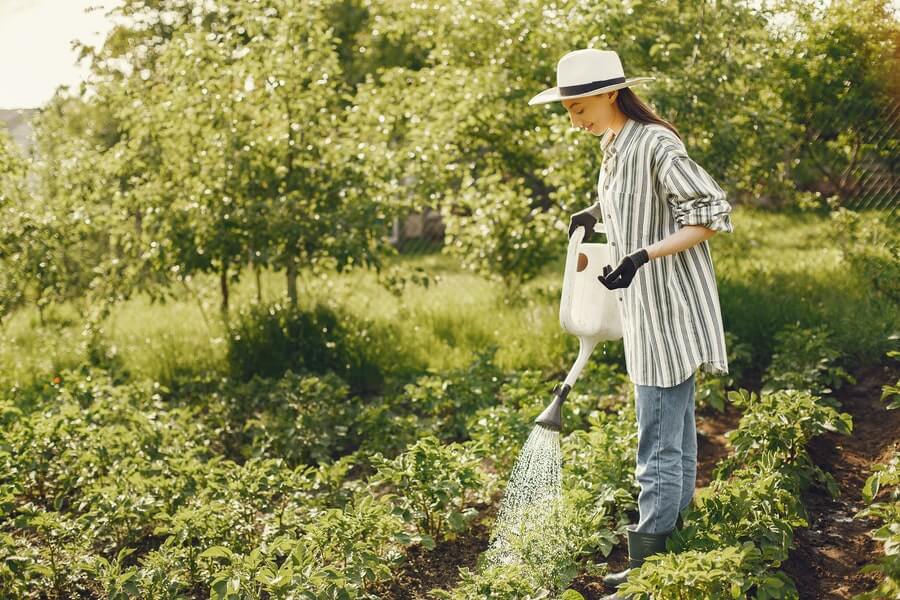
[871, 249]
[833, 89]
[503, 582]
[300, 418]
[504, 430]
[780, 424]
[496, 233]
[443, 403]
[269, 340]
[436, 484]
[805, 359]
[891, 392]
[600, 461]
[728, 571]
[552, 542]
[318, 564]
[711, 389]
[884, 477]
[757, 504]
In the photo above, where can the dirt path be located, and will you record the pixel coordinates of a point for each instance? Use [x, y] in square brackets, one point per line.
[829, 553]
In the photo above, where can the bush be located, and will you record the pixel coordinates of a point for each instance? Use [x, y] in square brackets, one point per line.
[725, 572]
[887, 477]
[805, 359]
[780, 424]
[269, 340]
[871, 247]
[437, 481]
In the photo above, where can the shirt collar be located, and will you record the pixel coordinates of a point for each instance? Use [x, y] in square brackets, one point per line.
[614, 143]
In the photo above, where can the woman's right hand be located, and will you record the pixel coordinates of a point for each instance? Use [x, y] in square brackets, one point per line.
[584, 219]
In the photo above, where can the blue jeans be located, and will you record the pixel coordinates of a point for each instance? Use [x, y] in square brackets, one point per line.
[667, 453]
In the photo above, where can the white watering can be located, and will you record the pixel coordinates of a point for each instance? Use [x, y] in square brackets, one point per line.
[587, 309]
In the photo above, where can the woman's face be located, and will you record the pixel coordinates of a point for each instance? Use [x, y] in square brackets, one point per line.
[592, 113]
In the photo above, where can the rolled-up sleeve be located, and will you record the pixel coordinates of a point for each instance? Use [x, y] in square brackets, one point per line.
[694, 196]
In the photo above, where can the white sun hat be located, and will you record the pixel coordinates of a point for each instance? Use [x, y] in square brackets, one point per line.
[587, 72]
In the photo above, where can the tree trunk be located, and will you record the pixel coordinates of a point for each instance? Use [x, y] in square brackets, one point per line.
[292, 282]
[223, 285]
[258, 284]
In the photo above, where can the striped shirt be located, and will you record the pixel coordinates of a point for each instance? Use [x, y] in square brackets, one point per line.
[648, 188]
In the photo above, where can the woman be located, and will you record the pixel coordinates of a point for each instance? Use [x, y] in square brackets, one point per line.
[660, 208]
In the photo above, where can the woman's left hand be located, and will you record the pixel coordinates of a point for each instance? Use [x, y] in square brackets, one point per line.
[623, 274]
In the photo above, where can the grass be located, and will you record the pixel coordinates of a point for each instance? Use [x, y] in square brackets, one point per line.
[772, 270]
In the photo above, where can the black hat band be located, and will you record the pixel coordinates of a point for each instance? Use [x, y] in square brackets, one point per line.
[582, 88]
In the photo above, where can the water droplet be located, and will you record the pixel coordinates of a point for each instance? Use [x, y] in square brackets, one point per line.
[534, 490]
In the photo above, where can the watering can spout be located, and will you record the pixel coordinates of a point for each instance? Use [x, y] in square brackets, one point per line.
[551, 418]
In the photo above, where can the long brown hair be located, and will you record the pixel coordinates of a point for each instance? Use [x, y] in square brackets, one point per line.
[635, 108]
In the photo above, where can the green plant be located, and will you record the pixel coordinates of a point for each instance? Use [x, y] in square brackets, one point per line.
[444, 403]
[871, 247]
[318, 563]
[805, 359]
[435, 483]
[269, 340]
[117, 582]
[757, 504]
[780, 424]
[728, 571]
[884, 476]
[891, 392]
[711, 389]
[498, 582]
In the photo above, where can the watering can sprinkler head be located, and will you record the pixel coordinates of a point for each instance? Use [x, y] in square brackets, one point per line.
[551, 418]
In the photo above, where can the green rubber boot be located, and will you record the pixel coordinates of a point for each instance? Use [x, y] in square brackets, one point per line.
[640, 546]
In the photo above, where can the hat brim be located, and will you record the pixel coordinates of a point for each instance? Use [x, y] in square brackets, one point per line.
[553, 94]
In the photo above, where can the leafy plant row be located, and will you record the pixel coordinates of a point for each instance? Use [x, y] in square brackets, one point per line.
[736, 530]
[113, 489]
[885, 478]
[739, 530]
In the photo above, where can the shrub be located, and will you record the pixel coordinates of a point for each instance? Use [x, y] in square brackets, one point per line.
[805, 359]
[871, 247]
[437, 482]
[724, 572]
[780, 424]
[269, 340]
[884, 476]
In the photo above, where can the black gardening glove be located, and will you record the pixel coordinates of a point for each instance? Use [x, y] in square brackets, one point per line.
[624, 273]
[585, 219]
